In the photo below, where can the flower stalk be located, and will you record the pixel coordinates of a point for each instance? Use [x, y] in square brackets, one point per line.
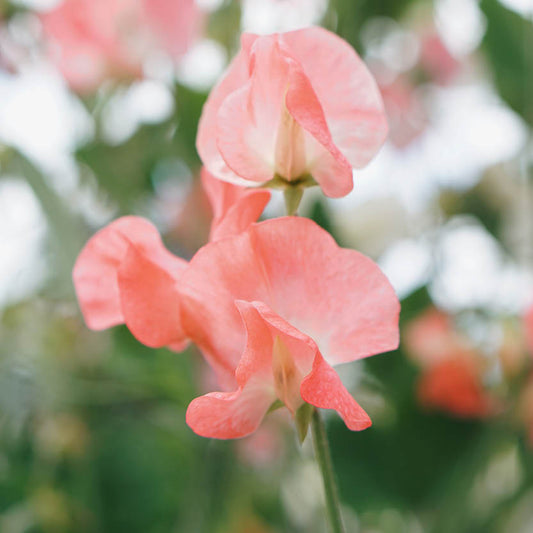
[323, 457]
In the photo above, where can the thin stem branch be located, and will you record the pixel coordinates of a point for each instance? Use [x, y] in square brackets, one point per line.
[323, 457]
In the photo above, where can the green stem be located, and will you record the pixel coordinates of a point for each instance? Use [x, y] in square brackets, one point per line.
[293, 197]
[323, 457]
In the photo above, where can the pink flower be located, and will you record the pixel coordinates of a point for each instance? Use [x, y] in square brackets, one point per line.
[436, 59]
[405, 111]
[91, 40]
[273, 309]
[124, 274]
[292, 105]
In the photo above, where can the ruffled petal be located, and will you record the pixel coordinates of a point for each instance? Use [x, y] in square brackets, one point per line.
[324, 389]
[95, 272]
[150, 301]
[228, 415]
[346, 90]
[326, 163]
[337, 297]
[235, 77]
[248, 119]
[234, 208]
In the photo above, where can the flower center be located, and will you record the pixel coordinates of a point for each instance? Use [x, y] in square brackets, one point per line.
[290, 147]
[287, 377]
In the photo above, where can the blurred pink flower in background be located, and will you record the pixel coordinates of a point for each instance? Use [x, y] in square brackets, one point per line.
[405, 111]
[435, 58]
[456, 386]
[91, 40]
[453, 371]
[291, 105]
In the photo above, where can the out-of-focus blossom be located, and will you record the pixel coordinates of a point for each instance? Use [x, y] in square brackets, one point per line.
[455, 386]
[437, 60]
[453, 371]
[405, 111]
[91, 40]
[281, 303]
[291, 106]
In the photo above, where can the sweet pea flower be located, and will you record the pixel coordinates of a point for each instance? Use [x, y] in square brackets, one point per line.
[91, 40]
[125, 270]
[273, 309]
[299, 107]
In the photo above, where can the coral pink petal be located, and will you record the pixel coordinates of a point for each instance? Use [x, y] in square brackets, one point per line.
[347, 91]
[150, 301]
[95, 271]
[330, 168]
[219, 274]
[236, 414]
[337, 297]
[249, 148]
[323, 388]
[234, 78]
[228, 415]
[234, 207]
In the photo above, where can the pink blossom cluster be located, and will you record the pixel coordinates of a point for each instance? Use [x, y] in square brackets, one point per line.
[273, 306]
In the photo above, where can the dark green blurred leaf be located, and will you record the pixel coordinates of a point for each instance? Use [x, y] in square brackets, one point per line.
[508, 43]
